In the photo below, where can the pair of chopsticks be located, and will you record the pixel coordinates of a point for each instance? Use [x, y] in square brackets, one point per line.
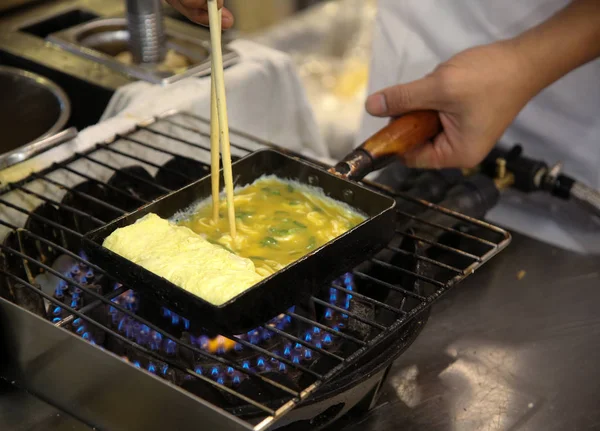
[219, 124]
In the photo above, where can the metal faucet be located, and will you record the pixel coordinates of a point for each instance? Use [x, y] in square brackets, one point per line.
[147, 40]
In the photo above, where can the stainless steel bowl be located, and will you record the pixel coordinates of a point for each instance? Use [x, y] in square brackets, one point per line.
[32, 108]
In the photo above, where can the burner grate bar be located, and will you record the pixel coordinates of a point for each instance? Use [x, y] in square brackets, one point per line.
[438, 245]
[305, 344]
[327, 328]
[272, 355]
[127, 174]
[407, 272]
[445, 228]
[41, 218]
[81, 194]
[174, 138]
[101, 184]
[368, 300]
[139, 159]
[146, 145]
[61, 205]
[388, 285]
[284, 409]
[92, 305]
[58, 247]
[425, 259]
[190, 129]
[348, 313]
[461, 217]
[232, 130]
[249, 400]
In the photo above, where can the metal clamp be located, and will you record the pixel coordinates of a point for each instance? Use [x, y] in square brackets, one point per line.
[565, 187]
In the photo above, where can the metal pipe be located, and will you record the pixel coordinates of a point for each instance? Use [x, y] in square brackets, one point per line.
[146, 31]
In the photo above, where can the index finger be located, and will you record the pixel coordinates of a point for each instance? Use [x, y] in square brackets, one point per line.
[200, 15]
[198, 4]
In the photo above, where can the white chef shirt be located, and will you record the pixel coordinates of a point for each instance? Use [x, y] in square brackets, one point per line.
[562, 123]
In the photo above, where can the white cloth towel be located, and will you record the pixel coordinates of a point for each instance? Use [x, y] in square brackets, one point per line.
[265, 98]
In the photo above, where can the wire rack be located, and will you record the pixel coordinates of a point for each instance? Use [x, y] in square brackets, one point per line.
[185, 136]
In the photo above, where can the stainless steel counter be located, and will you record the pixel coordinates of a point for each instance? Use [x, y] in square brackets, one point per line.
[498, 353]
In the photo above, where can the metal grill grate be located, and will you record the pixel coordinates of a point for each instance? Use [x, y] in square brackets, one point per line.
[45, 215]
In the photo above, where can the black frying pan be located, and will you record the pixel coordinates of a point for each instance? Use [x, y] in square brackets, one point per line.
[297, 281]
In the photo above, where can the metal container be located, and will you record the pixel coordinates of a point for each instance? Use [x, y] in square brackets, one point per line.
[32, 108]
[104, 39]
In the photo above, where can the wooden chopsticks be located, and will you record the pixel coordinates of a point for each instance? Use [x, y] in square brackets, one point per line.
[219, 123]
[215, 138]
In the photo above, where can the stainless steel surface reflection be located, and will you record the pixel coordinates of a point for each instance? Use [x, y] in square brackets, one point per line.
[502, 353]
[20, 411]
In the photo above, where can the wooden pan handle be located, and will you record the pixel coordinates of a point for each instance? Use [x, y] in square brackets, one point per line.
[391, 142]
[402, 135]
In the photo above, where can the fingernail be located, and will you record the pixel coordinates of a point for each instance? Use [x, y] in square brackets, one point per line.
[376, 104]
[227, 21]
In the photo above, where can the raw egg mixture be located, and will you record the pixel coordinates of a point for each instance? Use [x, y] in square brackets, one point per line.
[278, 221]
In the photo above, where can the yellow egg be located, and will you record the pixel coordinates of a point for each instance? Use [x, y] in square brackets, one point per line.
[278, 222]
[184, 258]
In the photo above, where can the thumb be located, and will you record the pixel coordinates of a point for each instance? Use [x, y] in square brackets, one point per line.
[403, 98]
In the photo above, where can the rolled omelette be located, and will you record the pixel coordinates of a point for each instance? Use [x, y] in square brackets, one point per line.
[184, 258]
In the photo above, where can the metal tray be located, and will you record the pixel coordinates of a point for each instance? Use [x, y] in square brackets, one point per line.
[290, 286]
[101, 39]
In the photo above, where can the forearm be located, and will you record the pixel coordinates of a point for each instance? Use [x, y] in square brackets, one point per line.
[568, 40]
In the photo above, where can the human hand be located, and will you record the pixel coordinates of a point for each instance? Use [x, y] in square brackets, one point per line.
[197, 11]
[477, 93]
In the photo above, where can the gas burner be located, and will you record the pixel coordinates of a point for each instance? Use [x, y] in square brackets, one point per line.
[264, 336]
[351, 329]
[174, 328]
[293, 340]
